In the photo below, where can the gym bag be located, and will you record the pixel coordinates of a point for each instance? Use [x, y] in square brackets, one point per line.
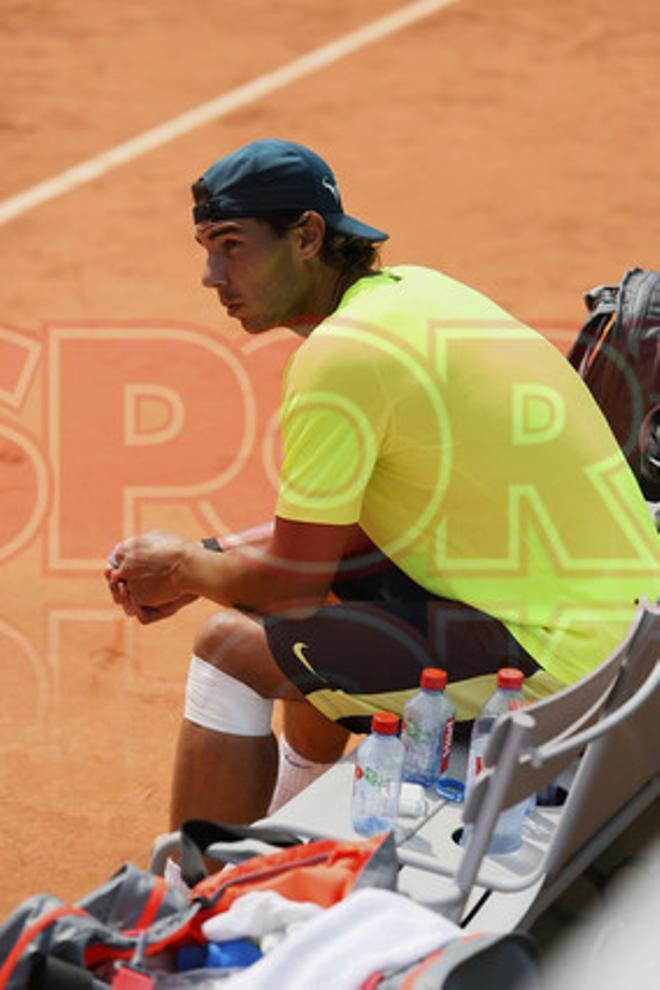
[617, 353]
[134, 905]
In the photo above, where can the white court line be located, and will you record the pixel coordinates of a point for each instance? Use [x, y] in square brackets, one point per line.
[219, 107]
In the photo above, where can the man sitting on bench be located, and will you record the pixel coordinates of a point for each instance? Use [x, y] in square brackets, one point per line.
[446, 474]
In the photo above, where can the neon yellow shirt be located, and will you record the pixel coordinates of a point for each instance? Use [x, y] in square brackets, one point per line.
[473, 455]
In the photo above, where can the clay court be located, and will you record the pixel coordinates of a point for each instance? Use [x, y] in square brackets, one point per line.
[513, 145]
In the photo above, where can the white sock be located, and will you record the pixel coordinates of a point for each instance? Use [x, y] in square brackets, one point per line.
[294, 774]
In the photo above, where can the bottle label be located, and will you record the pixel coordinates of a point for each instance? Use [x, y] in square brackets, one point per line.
[371, 777]
[447, 739]
[415, 733]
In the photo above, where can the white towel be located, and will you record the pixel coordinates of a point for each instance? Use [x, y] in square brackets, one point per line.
[369, 932]
[258, 913]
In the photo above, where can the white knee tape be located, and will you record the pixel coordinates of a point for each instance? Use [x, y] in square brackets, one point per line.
[217, 701]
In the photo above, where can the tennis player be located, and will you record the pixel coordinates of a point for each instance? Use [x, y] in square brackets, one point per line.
[450, 495]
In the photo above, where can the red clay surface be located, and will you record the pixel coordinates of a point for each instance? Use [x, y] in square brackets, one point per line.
[513, 145]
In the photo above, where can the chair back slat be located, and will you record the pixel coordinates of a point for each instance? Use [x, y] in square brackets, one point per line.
[515, 769]
[577, 705]
[567, 713]
[618, 765]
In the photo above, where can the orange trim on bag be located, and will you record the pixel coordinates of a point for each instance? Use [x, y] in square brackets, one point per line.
[323, 872]
[411, 978]
[372, 981]
[28, 934]
[408, 983]
[150, 909]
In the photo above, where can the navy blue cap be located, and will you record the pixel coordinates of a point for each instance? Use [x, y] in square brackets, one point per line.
[271, 175]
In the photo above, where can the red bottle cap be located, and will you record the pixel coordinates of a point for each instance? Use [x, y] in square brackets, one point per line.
[434, 679]
[385, 723]
[510, 679]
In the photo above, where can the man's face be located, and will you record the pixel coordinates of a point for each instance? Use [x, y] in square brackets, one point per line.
[260, 277]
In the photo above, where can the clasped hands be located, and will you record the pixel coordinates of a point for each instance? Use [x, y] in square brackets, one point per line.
[147, 575]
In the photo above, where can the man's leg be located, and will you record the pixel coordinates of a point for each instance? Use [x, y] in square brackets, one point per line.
[309, 745]
[221, 777]
[311, 734]
[357, 657]
[229, 775]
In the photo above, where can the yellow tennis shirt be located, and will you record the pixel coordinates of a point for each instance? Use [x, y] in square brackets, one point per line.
[474, 456]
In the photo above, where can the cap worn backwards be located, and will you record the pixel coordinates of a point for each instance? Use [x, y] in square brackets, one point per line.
[272, 175]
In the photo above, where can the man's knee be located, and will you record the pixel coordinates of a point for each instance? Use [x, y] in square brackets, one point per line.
[222, 693]
[235, 644]
[223, 636]
[217, 701]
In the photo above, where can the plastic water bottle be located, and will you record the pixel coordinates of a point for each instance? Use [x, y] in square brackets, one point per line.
[428, 730]
[377, 781]
[507, 835]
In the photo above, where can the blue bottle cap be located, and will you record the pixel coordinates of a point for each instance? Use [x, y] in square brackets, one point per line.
[450, 789]
[235, 952]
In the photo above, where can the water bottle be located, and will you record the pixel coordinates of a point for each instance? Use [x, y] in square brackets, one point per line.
[377, 780]
[428, 730]
[507, 835]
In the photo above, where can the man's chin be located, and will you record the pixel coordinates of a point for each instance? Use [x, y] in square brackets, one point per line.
[250, 322]
[254, 324]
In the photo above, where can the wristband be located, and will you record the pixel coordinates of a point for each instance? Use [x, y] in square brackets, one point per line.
[210, 543]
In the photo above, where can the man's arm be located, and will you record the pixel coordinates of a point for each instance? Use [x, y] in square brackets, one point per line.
[294, 566]
[253, 535]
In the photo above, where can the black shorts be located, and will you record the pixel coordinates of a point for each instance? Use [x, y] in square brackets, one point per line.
[366, 653]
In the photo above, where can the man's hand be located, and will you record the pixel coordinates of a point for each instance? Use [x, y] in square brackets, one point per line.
[148, 572]
[288, 565]
[145, 614]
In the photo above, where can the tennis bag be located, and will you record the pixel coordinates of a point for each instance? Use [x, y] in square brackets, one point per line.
[617, 353]
[47, 943]
[474, 962]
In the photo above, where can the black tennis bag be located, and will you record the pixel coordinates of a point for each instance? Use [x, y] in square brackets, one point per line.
[617, 353]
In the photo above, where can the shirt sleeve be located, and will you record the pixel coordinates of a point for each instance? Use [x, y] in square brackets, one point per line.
[333, 420]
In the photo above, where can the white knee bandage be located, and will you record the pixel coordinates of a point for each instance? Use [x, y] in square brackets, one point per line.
[217, 701]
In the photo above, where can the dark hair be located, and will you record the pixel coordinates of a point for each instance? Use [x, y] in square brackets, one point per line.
[199, 191]
[347, 253]
[355, 256]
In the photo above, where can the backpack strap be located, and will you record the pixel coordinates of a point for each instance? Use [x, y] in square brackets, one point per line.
[602, 303]
[31, 932]
[197, 835]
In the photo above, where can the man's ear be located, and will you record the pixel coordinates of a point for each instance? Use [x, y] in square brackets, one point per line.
[311, 231]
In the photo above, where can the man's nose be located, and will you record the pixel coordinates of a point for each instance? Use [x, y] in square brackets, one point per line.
[213, 274]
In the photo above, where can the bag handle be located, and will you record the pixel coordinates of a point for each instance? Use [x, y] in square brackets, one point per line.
[197, 835]
[602, 303]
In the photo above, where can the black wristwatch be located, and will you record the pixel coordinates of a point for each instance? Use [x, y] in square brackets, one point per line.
[210, 543]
